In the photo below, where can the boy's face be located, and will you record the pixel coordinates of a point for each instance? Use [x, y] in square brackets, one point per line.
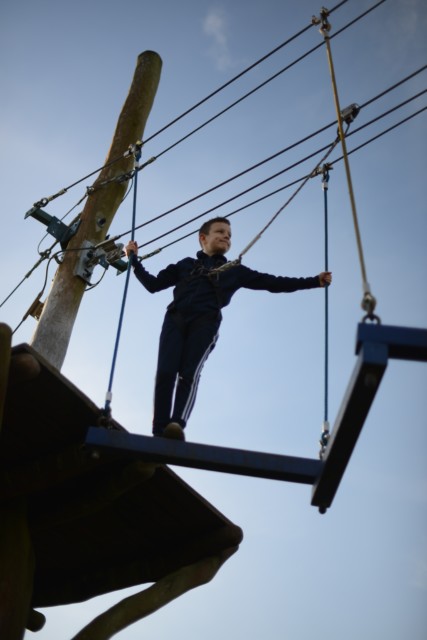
[218, 240]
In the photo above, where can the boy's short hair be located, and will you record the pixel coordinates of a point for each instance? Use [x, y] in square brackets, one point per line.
[206, 226]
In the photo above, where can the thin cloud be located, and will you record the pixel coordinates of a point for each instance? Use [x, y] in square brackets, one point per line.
[215, 26]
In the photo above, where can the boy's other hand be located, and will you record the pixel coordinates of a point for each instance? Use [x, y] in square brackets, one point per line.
[131, 247]
[325, 278]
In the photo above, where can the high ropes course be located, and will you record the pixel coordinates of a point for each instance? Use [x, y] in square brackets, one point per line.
[376, 343]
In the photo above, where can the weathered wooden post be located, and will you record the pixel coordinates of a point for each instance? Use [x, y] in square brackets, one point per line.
[5, 350]
[16, 554]
[142, 604]
[53, 332]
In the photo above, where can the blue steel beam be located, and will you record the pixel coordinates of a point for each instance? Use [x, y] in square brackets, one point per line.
[360, 394]
[375, 344]
[201, 456]
[403, 343]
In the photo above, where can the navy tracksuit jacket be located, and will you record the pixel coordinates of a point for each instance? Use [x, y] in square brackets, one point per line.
[191, 324]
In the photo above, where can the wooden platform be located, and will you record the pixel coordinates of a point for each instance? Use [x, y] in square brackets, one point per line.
[97, 525]
[106, 513]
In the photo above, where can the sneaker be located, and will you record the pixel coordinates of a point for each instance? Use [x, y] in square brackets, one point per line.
[173, 431]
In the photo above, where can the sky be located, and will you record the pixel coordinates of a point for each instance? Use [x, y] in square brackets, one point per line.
[360, 570]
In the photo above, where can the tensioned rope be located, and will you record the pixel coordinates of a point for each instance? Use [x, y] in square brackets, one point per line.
[44, 255]
[239, 75]
[325, 427]
[289, 147]
[238, 260]
[238, 101]
[384, 132]
[238, 210]
[109, 395]
[368, 301]
[46, 200]
[277, 154]
[268, 195]
[36, 303]
[273, 77]
[275, 175]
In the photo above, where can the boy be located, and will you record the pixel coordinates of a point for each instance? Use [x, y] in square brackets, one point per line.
[192, 320]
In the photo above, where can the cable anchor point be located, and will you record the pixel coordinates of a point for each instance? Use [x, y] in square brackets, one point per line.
[135, 150]
[324, 439]
[323, 21]
[350, 113]
[323, 170]
[368, 304]
[105, 418]
[325, 175]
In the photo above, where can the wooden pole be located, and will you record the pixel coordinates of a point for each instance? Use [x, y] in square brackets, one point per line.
[16, 552]
[144, 603]
[53, 333]
[55, 326]
[17, 568]
[5, 351]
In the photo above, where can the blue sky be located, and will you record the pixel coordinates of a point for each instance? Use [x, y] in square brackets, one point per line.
[361, 569]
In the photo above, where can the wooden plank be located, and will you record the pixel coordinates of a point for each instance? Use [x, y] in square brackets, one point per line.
[200, 456]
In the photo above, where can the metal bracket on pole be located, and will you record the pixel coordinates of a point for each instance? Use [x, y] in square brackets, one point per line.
[111, 255]
[60, 231]
[85, 265]
[91, 255]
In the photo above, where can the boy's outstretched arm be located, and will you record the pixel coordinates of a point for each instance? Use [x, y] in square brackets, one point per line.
[165, 278]
[325, 278]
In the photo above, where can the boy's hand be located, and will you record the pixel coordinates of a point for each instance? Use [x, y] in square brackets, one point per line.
[131, 247]
[325, 278]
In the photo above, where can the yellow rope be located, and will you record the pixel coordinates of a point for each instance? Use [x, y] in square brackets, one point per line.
[237, 261]
[368, 302]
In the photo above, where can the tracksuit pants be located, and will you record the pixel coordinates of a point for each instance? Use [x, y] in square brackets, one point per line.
[185, 344]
